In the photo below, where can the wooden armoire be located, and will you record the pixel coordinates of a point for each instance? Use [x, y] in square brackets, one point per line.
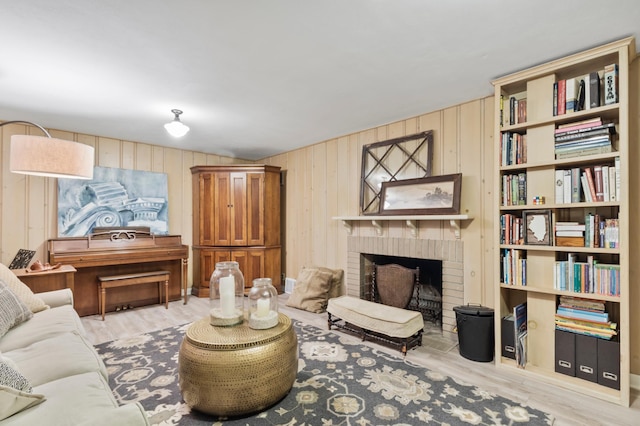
[236, 217]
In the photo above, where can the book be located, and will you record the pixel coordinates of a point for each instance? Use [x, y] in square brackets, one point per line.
[619, 195]
[566, 197]
[598, 183]
[571, 88]
[580, 96]
[555, 98]
[611, 84]
[585, 188]
[585, 151]
[587, 91]
[585, 131]
[559, 198]
[586, 124]
[612, 184]
[591, 183]
[594, 89]
[520, 333]
[570, 226]
[575, 185]
[562, 85]
[605, 183]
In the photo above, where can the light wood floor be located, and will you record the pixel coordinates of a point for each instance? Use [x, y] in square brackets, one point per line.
[569, 408]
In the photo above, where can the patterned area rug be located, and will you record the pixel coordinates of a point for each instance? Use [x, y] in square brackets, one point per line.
[340, 381]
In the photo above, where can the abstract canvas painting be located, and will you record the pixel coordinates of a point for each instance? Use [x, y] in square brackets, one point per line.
[114, 197]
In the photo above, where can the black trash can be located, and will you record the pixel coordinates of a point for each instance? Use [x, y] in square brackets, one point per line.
[475, 332]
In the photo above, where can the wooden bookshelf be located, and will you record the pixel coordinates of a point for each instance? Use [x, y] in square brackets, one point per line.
[540, 292]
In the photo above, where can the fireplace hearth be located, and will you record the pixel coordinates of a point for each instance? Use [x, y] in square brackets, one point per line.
[447, 252]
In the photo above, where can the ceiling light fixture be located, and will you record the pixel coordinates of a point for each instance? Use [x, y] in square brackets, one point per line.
[49, 157]
[176, 127]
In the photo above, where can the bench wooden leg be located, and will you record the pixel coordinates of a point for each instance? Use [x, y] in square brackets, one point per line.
[103, 303]
[166, 294]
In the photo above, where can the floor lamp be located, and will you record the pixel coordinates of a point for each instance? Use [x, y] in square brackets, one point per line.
[49, 157]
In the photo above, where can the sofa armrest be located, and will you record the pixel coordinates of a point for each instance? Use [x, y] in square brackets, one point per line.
[57, 298]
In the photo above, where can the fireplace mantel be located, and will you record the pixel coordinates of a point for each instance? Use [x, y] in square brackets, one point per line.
[411, 221]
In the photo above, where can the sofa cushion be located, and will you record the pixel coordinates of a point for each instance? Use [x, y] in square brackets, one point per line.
[15, 389]
[43, 325]
[13, 401]
[311, 290]
[12, 310]
[51, 359]
[23, 292]
[75, 400]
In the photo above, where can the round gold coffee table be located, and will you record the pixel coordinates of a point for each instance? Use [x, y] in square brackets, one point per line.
[232, 371]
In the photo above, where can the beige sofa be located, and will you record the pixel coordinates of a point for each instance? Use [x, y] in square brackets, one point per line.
[68, 378]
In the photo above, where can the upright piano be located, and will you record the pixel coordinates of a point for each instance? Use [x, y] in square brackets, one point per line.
[115, 251]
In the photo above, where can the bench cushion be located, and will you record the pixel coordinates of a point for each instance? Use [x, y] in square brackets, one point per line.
[388, 320]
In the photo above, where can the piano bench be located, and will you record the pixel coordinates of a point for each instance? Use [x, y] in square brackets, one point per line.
[113, 281]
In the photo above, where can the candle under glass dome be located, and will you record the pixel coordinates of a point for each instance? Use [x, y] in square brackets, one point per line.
[263, 304]
[226, 295]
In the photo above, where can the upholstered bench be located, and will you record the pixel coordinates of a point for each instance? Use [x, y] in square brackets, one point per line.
[394, 326]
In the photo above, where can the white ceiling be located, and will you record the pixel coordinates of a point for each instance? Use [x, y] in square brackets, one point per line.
[256, 78]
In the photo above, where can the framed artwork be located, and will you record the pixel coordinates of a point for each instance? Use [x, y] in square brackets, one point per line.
[402, 158]
[537, 227]
[429, 195]
[114, 197]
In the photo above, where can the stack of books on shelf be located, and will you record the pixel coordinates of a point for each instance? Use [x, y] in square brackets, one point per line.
[570, 234]
[513, 110]
[587, 137]
[587, 91]
[513, 148]
[514, 189]
[513, 269]
[582, 316]
[587, 276]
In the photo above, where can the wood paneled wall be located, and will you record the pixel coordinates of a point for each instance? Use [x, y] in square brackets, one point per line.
[28, 204]
[323, 181]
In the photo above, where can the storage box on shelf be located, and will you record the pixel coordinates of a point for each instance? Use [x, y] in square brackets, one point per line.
[562, 182]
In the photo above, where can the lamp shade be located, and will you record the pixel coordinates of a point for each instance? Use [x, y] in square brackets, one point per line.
[51, 157]
[176, 128]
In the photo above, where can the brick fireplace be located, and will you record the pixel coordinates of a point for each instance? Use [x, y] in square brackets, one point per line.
[447, 251]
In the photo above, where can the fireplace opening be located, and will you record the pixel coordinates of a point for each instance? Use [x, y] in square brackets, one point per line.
[427, 294]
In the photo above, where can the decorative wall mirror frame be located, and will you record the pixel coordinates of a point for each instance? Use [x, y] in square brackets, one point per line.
[407, 157]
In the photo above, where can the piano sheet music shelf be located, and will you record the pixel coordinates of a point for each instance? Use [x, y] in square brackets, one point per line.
[122, 250]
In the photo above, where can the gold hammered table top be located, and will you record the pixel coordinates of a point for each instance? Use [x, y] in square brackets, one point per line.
[206, 336]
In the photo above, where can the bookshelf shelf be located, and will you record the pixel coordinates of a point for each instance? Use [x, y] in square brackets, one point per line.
[529, 113]
[533, 289]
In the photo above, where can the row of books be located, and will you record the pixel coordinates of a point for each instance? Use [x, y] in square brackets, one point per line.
[588, 137]
[514, 189]
[513, 267]
[588, 91]
[589, 276]
[513, 148]
[511, 229]
[599, 183]
[582, 316]
[513, 110]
